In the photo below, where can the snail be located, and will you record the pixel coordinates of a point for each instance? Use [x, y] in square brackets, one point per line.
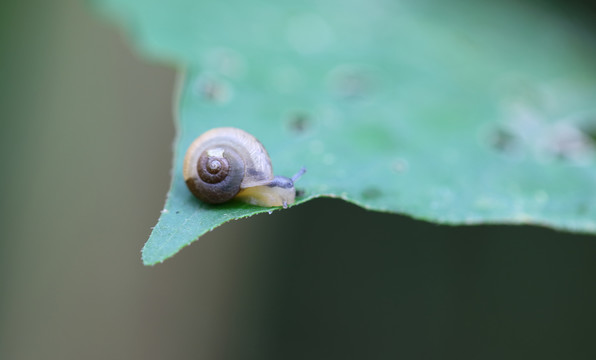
[228, 163]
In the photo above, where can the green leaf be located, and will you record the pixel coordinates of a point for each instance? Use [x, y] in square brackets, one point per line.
[457, 112]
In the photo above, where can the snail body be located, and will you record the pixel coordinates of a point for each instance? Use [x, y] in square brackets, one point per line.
[227, 163]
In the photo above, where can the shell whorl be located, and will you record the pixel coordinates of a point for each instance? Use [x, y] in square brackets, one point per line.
[212, 166]
[222, 161]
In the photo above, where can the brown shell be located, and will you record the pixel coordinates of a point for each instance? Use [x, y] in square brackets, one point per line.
[222, 161]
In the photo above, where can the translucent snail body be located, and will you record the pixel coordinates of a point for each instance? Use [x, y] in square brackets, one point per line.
[226, 163]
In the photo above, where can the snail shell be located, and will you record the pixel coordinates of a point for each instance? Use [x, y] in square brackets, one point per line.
[226, 163]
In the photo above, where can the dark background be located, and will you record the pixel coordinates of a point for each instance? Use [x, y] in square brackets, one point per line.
[85, 152]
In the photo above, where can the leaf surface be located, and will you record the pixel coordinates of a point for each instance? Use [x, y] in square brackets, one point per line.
[453, 112]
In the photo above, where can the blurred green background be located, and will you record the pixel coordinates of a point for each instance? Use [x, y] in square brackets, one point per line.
[86, 151]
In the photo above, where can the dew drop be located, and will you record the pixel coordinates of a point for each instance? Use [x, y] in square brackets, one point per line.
[225, 61]
[316, 147]
[213, 89]
[502, 140]
[350, 81]
[567, 142]
[309, 33]
[540, 196]
[299, 122]
[400, 165]
[328, 159]
[286, 79]
[371, 193]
